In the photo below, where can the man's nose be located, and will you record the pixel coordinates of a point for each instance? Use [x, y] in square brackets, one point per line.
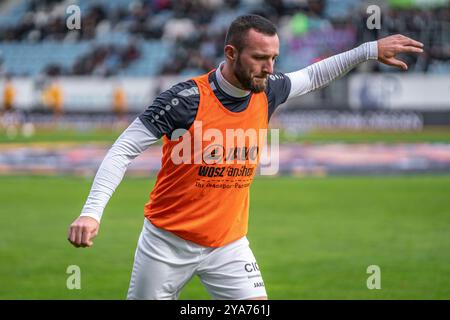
[268, 67]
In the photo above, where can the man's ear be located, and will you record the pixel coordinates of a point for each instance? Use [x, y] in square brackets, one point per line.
[230, 52]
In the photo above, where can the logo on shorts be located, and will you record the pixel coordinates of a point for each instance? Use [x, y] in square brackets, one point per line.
[251, 267]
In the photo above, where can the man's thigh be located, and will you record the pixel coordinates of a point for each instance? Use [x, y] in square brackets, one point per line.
[232, 273]
[162, 266]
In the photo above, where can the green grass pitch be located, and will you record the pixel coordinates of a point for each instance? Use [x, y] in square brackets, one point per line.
[313, 237]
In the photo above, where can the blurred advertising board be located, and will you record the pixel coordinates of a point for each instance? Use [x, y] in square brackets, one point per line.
[400, 92]
[86, 94]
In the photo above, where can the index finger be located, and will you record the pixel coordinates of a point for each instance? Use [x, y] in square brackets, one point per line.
[410, 49]
[411, 42]
[72, 237]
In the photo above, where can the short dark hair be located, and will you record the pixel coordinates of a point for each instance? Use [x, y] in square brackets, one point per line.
[241, 25]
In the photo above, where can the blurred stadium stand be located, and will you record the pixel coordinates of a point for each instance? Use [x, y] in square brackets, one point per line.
[154, 39]
[34, 36]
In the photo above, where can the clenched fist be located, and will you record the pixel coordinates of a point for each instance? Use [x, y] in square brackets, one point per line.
[390, 46]
[82, 231]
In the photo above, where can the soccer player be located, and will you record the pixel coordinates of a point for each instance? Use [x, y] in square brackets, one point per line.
[196, 223]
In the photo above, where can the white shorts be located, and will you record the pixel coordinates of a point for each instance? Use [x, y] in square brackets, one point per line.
[164, 263]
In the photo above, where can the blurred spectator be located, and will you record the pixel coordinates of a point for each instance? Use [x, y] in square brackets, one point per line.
[52, 97]
[9, 95]
[119, 104]
[106, 60]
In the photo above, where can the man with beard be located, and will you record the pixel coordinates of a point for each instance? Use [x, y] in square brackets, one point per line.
[191, 226]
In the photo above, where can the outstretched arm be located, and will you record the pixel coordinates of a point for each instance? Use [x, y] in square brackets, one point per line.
[320, 74]
[132, 142]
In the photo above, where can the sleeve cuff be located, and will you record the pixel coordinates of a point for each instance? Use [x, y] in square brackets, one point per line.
[373, 50]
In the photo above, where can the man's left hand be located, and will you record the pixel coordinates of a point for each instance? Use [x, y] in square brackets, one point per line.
[390, 46]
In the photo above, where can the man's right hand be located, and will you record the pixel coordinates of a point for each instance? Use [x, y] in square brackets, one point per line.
[82, 231]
